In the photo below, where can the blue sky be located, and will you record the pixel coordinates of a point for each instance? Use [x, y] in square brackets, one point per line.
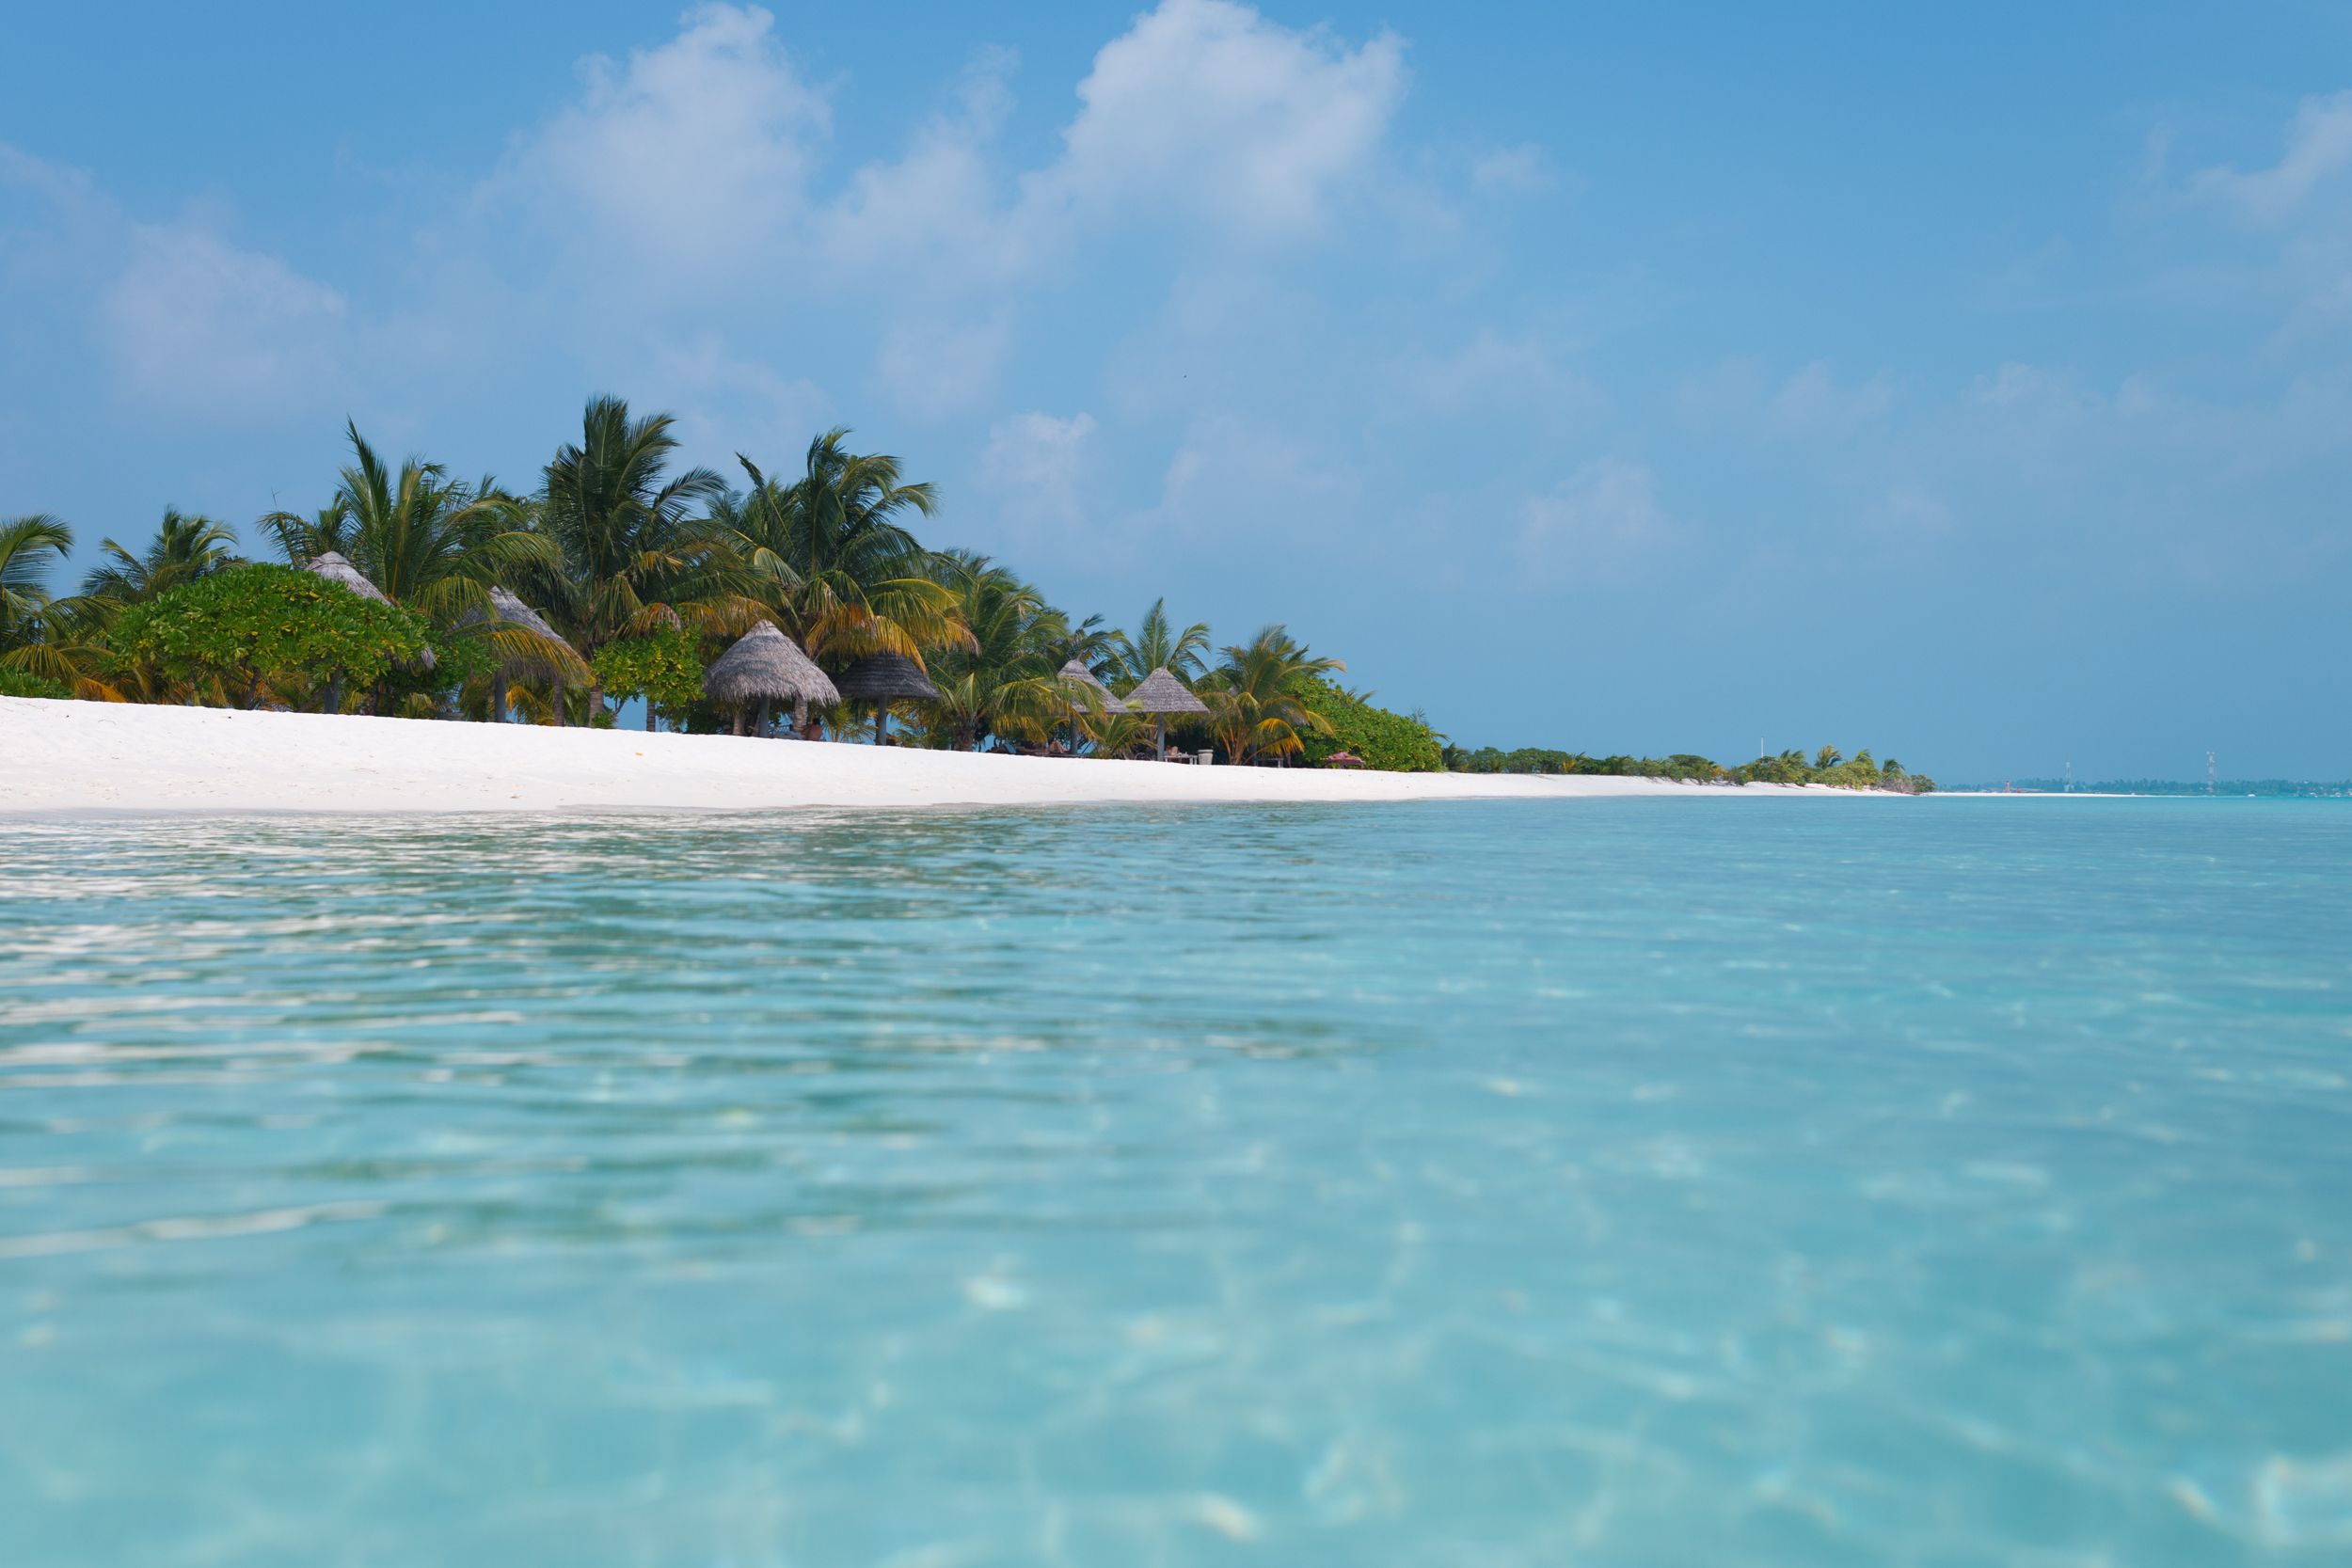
[1972, 386]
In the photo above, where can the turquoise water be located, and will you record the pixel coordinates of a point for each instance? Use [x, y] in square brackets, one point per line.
[1609, 1183]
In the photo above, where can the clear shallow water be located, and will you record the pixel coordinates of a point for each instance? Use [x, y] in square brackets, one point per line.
[1611, 1182]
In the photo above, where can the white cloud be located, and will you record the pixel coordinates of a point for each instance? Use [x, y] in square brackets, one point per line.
[2319, 144]
[692, 156]
[202, 326]
[1599, 522]
[1206, 110]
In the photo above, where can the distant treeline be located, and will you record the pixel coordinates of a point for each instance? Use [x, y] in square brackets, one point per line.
[1829, 766]
[2300, 788]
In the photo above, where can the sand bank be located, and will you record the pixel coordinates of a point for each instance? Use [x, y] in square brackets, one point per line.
[71, 758]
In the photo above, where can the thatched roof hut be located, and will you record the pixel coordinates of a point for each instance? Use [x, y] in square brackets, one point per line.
[512, 610]
[881, 679]
[1161, 693]
[887, 678]
[1074, 671]
[765, 666]
[335, 569]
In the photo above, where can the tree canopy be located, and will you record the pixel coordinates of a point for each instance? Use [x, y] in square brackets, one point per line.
[240, 633]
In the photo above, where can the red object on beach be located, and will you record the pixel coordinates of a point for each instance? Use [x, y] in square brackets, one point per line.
[1340, 759]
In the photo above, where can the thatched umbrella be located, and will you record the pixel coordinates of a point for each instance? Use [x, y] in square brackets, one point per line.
[1161, 694]
[766, 666]
[879, 678]
[511, 608]
[1078, 674]
[335, 569]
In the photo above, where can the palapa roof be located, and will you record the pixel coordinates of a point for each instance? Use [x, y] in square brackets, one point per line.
[1161, 693]
[766, 663]
[513, 609]
[880, 677]
[1074, 671]
[335, 569]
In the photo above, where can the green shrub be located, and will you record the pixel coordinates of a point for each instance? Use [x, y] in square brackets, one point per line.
[1373, 736]
[24, 683]
[249, 626]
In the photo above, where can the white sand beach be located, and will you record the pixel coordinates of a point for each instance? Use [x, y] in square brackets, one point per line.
[64, 758]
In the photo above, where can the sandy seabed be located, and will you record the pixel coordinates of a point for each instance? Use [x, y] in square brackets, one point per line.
[68, 759]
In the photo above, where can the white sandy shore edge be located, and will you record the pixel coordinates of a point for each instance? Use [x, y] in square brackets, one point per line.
[64, 758]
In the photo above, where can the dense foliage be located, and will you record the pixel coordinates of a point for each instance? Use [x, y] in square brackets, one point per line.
[664, 667]
[247, 632]
[1372, 735]
[1829, 766]
[22, 683]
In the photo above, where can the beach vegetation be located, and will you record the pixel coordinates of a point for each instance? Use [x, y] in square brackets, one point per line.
[1392, 742]
[620, 579]
[1000, 684]
[24, 683]
[1256, 697]
[234, 638]
[832, 559]
[663, 666]
[630, 553]
[30, 547]
[1157, 644]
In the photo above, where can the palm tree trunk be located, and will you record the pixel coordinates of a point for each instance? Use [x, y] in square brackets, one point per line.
[800, 718]
[595, 700]
[881, 721]
[498, 696]
[335, 693]
[560, 714]
[649, 713]
[763, 719]
[739, 720]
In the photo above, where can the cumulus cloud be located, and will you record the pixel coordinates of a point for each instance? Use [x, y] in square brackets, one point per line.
[2318, 145]
[1205, 110]
[691, 155]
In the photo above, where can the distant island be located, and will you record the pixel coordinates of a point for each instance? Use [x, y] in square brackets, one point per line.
[2300, 789]
[800, 607]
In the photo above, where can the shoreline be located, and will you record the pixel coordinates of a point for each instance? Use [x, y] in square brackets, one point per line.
[120, 759]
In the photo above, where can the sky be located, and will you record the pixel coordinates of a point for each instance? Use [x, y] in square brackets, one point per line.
[1970, 384]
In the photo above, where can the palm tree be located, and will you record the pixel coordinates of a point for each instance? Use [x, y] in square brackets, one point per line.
[184, 549]
[27, 615]
[631, 562]
[1003, 681]
[1157, 645]
[835, 564]
[435, 545]
[1254, 706]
